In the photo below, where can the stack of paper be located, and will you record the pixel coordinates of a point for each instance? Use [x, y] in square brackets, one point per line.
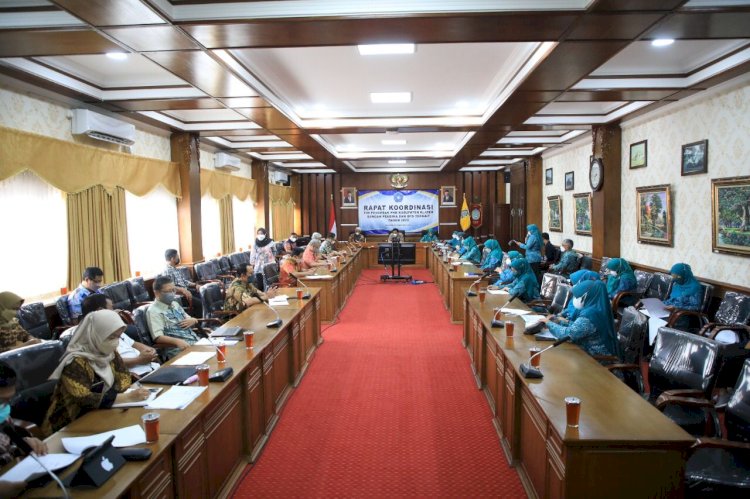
[319, 277]
[497, 292]
[124, 437]
[279, 300]
[654, 307]
[193, 359]
[177, 397]
[205, 342]
[140, 403]
[28, 469]
[531, 320]
[516, 311]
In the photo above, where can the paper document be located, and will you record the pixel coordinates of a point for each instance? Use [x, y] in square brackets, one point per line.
[319, 277]
[654, 307]
[140, 403]
[28, 469]
[654, 323]
[516, 311]
[531, 320]
[194, 358]
[205, 342]
[124, 437]
[466, 263]
[279, 300]
[177, 397]
[497, 292]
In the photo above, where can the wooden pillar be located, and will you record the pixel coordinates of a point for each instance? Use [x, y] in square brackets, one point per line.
[262, 206]
[605, 208]
[534, 186]
[186, 153]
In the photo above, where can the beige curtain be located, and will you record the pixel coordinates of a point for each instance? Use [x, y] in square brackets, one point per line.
[219, 185]
[75, 167]
[98, 234]
[226, 213]
[282, 219]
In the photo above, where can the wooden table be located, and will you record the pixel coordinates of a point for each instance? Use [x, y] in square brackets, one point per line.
[203, 449]
[453, 281]
[624, 447]
[335, 287]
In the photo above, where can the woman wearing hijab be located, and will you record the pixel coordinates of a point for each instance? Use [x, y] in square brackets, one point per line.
[593, 328]
[428, 236]
[525, 287]
[455, 240]
[506, 275]
[91, 373]
[687, 292]
[12, 335]
[570, 312]
[621, 277]
[471, 251]
[492, 255]
[261, 255]
[533, 247]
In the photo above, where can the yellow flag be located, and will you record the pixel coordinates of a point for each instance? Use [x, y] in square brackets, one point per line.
[465, 220]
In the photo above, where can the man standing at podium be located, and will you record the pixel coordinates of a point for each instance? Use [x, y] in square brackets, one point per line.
[395, 236]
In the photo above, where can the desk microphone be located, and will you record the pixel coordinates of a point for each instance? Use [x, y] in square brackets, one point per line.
[495, 322]
[469, 292]
[306, 296]
[274, 323]
[530, 371]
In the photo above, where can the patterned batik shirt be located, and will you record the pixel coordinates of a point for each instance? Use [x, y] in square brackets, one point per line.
[164, 320]
[237, 292]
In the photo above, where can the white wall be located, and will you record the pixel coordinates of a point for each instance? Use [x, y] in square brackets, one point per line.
[572, 158]
[721, 115]
[207, 162]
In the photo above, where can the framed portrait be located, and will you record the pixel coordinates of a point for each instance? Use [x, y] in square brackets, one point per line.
[448, 195]
[639, 154]
[695, 158]
[348, 197]
[554, 203]
[582, 213]
[730, 199]
[548, 176]
[570, 181]
[654, 212]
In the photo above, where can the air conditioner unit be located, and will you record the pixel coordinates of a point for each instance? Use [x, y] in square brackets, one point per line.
[279, 178]
[223, 161]
[100, 127]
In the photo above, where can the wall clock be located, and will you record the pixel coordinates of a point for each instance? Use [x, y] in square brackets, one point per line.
[596, 174]
[399, 180]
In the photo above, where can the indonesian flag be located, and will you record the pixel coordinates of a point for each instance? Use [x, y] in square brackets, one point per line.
[465, 219]
[332, 218]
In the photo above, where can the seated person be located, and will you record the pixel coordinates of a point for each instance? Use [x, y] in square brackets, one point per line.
[357, 236]
[290, 244]
[140, 359]
[455, 240]
[328, 247]
[506, 273]
[8, 453]
[92, 280]
[550, 252]
[429, 236]
[395, 236]
[12, 335]
[91, 373]
[568, 260]
[471, 251]
[183, 287]
[593, 328]
[525, 287]
[287, 267]
[621, 277]
[578, 276]
[241, 293]
[168, 322]
[687, 292]
[310, 258]
[492, 255]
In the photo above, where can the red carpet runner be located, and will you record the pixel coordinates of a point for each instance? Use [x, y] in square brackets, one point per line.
[388, 408]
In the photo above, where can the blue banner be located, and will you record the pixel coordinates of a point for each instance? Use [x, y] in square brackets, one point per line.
[409, 211]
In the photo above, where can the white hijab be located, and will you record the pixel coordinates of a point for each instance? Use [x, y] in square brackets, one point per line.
[91, 342]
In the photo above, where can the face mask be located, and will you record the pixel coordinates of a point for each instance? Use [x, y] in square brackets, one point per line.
[677, 279]
[110, 346]
[613, 273]
[293, 239]
[507, 261]
[578, 303]
[515, 272]
[167, 298]
[261, 237]
[359, 232]
[4, 412]
[486, 251]
[455, 237]
[562, 250]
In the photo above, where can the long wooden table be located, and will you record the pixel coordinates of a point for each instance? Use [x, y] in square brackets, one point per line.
[335, 287]
[203, 449]
[453, 281]
[624, 447]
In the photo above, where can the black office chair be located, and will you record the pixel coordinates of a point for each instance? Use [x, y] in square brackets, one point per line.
[144, 332]
[119, 294]
[205, 272]
[586, 262]
[558, 302]
[138, 292]
[693, 320]
[185, 271]
[33, 364]
[33, 318]
[682, 364]
[721, 468]
[236, 260]
[733, 314]
[631, 338]
[659, 287]
[549, 286]
[212, 299]
[31, 404]
[224, 265]
[643, 281]
[63, 311]
[603, 270]
[270, 275]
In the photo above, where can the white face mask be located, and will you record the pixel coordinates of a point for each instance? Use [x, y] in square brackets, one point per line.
[261, 237]
[562, 250]
[293, 239]
[455, 237]
[507, 262]
[110, 346]
[613, 273]
[578, 303]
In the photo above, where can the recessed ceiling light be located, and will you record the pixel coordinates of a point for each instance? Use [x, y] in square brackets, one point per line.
[393, 142]
[662, 42]
[386, 49]
[390, 97]
[117, 56]
[396, 161]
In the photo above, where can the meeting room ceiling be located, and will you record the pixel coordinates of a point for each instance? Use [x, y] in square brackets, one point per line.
[363, 86]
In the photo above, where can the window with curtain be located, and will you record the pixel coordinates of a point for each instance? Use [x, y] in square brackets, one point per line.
[148, 240]
[34, 258]
[211, 226]
[244, 223]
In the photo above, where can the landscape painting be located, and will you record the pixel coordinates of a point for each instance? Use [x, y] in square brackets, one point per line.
[638, 154]
[731, 215]
[654, 215]
[555, 213]
[583, 213]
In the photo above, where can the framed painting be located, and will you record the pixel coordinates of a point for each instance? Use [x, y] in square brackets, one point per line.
[348, 197]
[554, 221]
[570, 181]
[639, 154]
[582, 213]
[695, 158]
[548, 176]
[730, 200]
[448, 195]
[654, 212]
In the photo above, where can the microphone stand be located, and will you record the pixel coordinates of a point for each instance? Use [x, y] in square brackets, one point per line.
[532, 372]
[307, 295]
[274, 323]
[25, 447]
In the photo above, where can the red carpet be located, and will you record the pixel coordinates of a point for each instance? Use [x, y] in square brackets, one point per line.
[388, 408]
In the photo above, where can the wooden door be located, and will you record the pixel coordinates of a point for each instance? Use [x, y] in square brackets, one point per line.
[518, 201]
[502, 221]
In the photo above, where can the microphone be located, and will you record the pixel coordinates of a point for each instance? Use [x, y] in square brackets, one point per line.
[529, 371]
[274, 323]
[495, 322]
[305, 296]
[18, 440]
[469, 292]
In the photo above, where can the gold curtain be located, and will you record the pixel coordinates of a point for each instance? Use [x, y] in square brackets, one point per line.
[220, 185]
[280, 193]
[98, 234]
[75, 167]
[226, 213]
[282, 219]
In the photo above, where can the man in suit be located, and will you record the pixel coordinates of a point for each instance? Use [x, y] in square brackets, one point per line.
[348, 197]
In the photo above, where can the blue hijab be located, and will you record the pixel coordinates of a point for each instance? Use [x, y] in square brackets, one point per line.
[583, 275]
[623, 269]
[495, 251]
[686, 284]
[598, 309]
[526, 276]
[534, 233]
[514, 255]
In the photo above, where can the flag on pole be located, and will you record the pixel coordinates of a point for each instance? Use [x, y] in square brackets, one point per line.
[332, 218]
[465, 219]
